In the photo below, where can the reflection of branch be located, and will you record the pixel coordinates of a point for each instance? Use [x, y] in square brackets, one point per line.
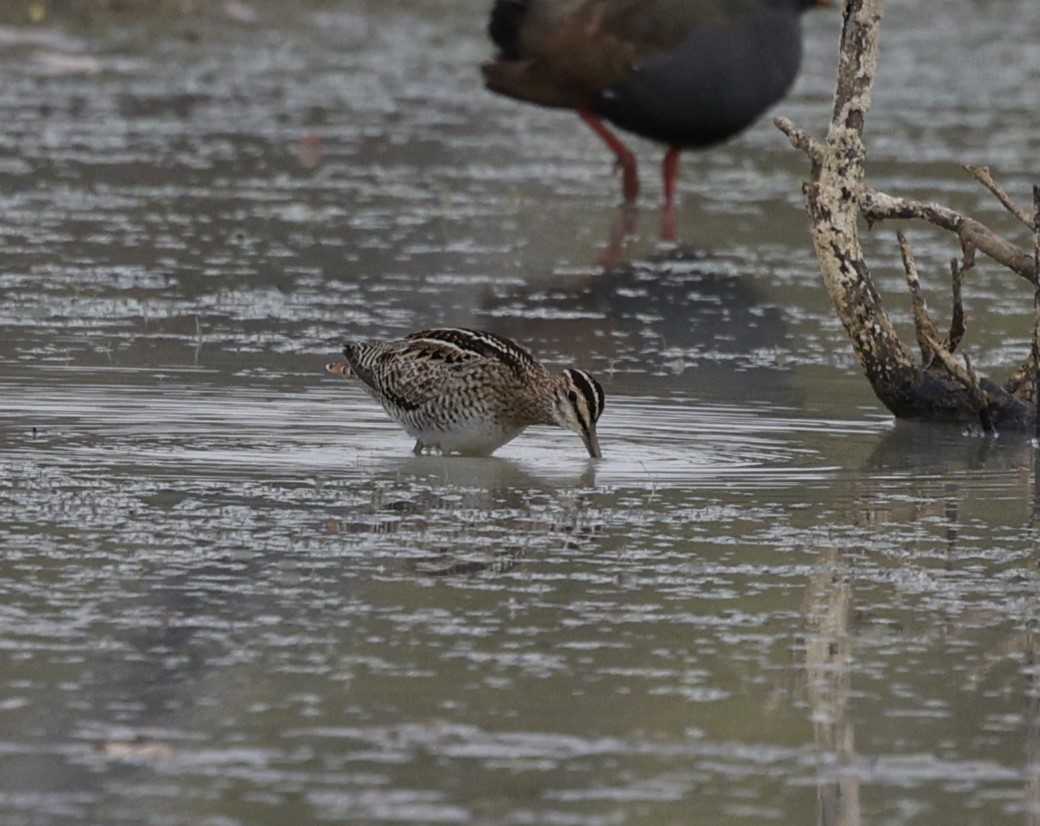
[1036, 307]
[1032, 732]
[828, 653]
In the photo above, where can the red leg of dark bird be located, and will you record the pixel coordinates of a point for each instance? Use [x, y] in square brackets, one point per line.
[625, 159]
[670, 172]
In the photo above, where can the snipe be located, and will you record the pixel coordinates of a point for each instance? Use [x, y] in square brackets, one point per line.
[467, 391]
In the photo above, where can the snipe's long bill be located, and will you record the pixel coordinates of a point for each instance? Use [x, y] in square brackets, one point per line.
[467, 391]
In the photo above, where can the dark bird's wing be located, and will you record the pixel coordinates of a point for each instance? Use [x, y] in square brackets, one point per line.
[565, 54]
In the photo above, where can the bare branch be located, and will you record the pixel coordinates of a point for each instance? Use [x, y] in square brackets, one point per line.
[1021, 382]
[837, 197]
[857, 65]
[982, 175]
[878, 206]
[980, 398]
[950, 362]
[924, 327]
[799, 138]
[957, 272]
[967, 376]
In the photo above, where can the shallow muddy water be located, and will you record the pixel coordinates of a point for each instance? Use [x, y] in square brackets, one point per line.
[231, 594]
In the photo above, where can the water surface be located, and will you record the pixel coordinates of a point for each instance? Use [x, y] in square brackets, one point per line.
[231, 594]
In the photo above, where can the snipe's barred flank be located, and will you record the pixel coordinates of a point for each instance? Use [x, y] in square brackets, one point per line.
[470, 392]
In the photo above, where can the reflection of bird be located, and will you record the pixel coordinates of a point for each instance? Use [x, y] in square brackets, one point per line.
[686, 73]
[470, 392]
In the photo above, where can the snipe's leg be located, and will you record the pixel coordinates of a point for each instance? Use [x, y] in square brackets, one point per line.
[625, 159]
[418, 449]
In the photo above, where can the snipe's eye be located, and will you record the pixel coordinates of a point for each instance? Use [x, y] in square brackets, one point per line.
[573, 397]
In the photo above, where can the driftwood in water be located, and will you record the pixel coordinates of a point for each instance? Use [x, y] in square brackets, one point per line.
[940, 386]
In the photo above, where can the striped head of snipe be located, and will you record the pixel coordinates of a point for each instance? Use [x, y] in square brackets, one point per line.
[578, 401]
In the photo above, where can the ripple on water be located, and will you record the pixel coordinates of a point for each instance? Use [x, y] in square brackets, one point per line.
[316, 427]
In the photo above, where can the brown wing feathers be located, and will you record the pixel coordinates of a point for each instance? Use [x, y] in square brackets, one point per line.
[567, 65]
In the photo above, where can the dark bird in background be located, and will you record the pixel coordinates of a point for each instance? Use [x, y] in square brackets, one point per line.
[685, 73]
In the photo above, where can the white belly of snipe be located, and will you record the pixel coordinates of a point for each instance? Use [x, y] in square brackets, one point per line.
[471, 438]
